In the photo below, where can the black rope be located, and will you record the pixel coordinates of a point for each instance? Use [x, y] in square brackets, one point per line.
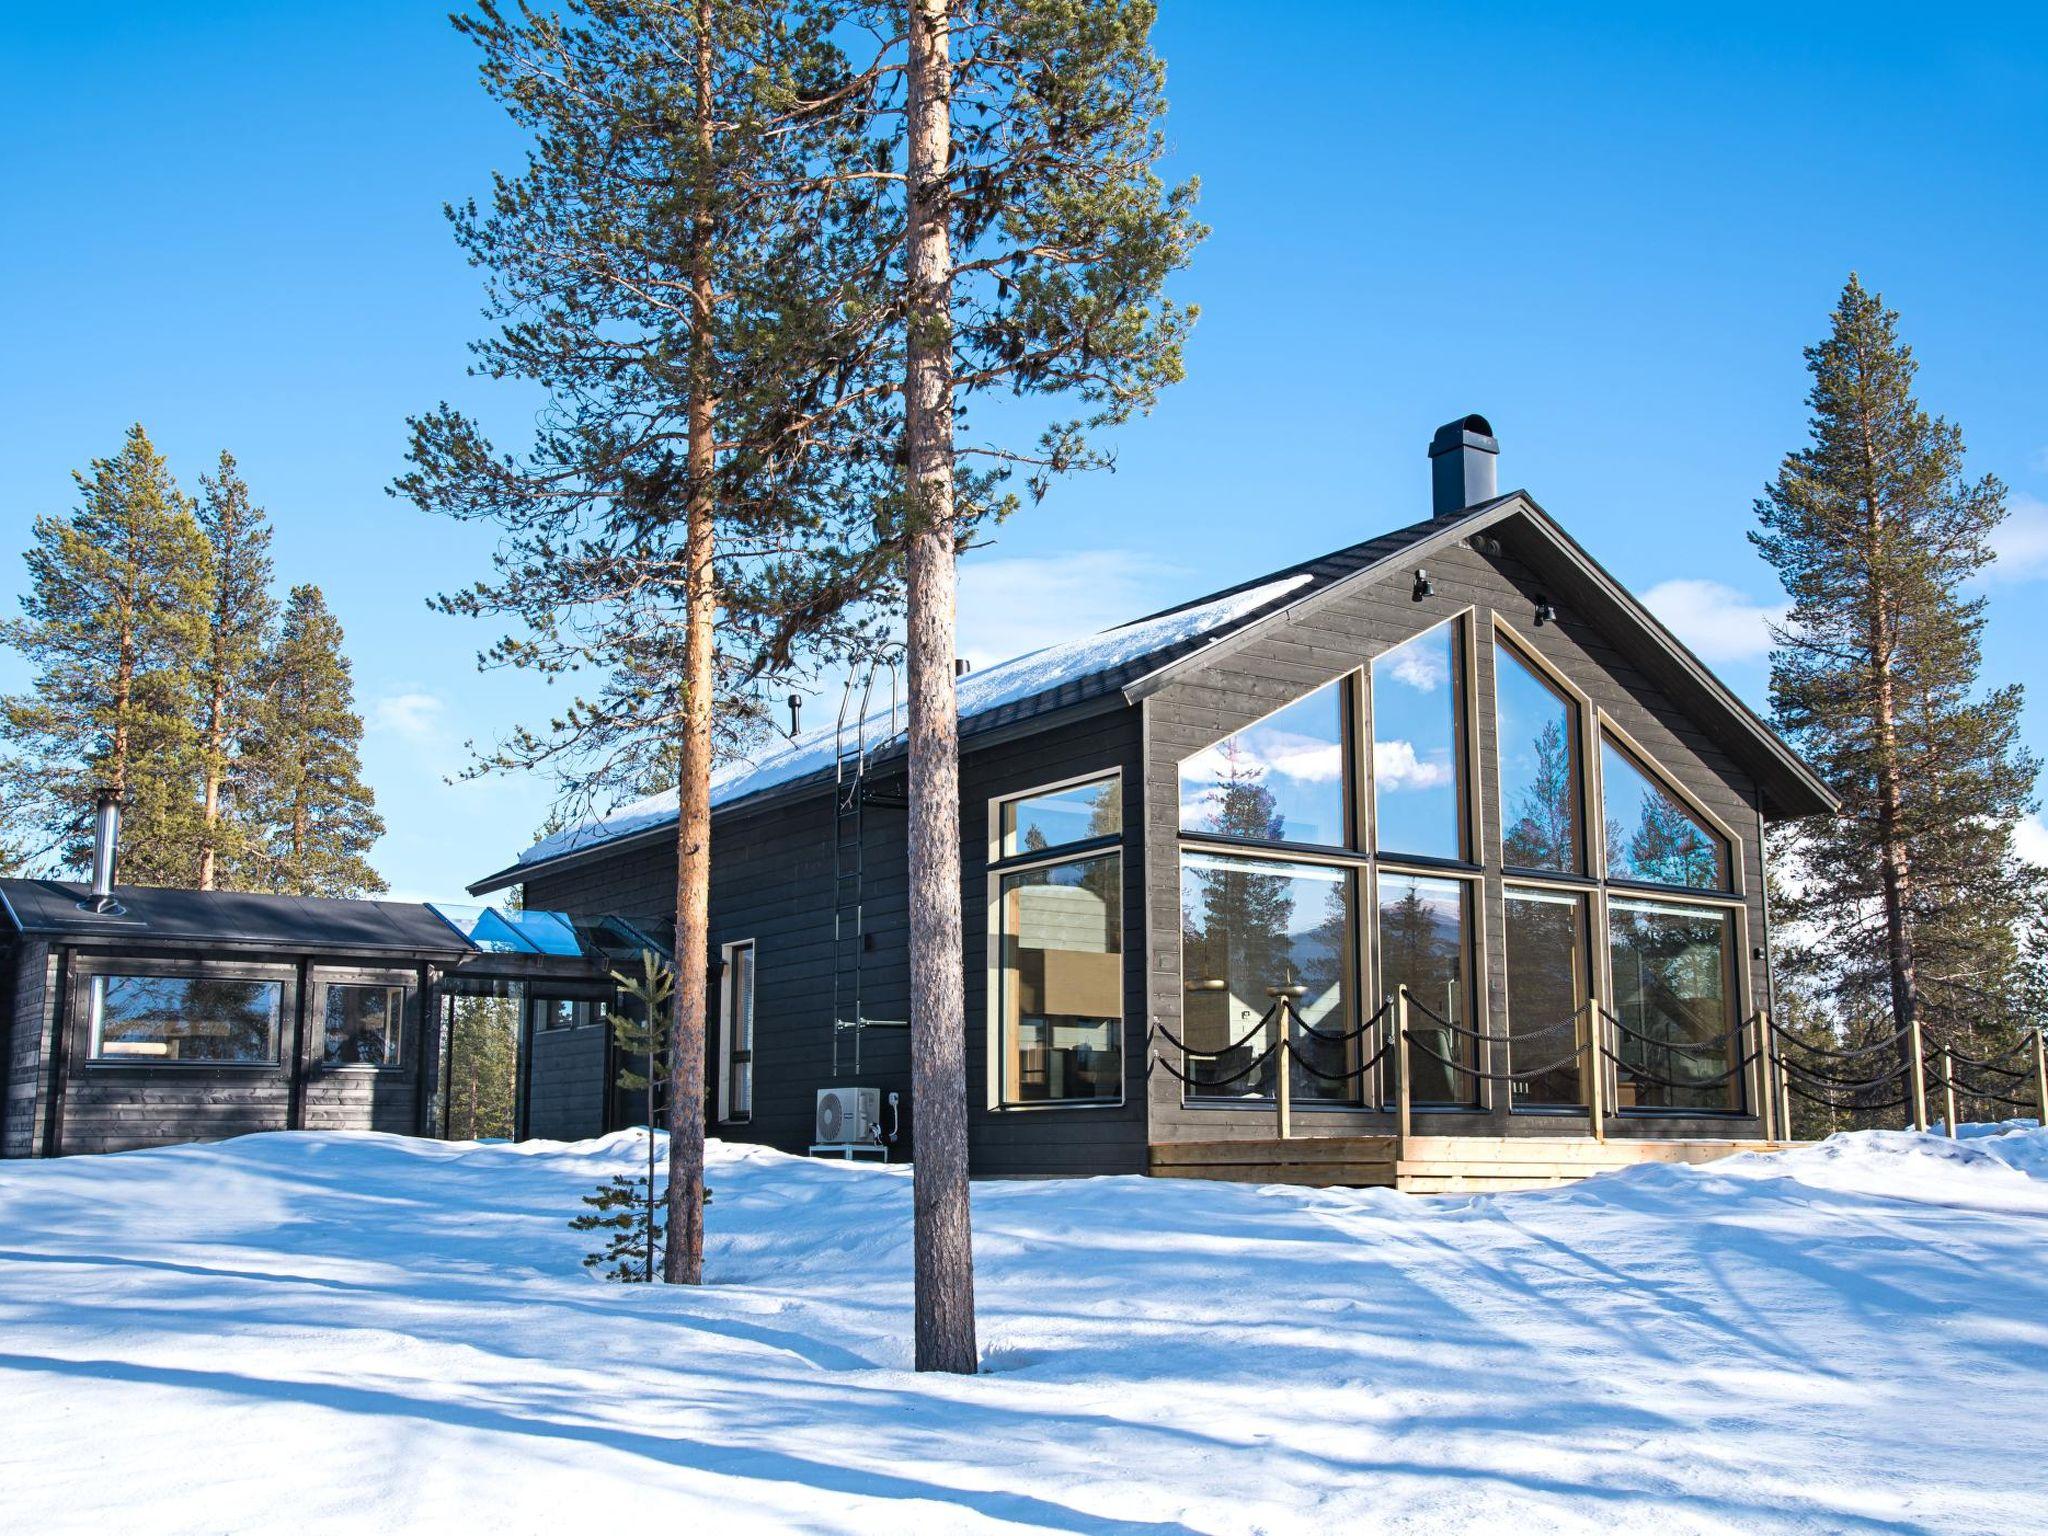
[1492, 1077]
[1188, 1050]
[1711, 1043]
[1344, 1038]
[1990, 1064]
[1643, 1075]
[1221, 1082]
[1843, 1082]
[1995, 1098]
[1313, 1070]
[1985, 1066]
[1846, 1109]
[1570, 1021]
[1857, 1054]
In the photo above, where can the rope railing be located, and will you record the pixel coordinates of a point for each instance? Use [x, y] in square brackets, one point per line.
[1338, 1037]
[1641, 1074]
[1889, 1043]
[1223, 1050]
[1193, 1081]
[1346, 1075]
[1492, 1077]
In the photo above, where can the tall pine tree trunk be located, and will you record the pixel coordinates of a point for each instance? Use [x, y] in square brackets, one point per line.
[216, 748]
[938, 1046]
[683, 1263]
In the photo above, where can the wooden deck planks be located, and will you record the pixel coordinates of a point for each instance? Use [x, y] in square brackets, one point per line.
[1431, 1164]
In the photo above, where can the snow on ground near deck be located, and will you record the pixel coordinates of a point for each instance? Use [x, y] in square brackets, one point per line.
[332, 1332]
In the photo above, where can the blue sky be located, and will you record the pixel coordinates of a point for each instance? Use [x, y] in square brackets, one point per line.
[1611, 229]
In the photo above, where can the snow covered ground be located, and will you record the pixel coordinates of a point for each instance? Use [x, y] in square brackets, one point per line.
[342, 1333]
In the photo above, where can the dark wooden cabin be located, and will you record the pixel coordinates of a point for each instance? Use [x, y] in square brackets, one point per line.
[1455, 771]
[140, 1016]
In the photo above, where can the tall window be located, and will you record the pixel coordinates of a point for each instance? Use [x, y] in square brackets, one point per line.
[1418, 775]
[185, 1020]
[365, 1024]
[1651, 835]
[1547, 994]
[1425, 945]
[1674, 968]
[739, 1032]
[1255, 933]
[1059, 934]
[1279, 780]
[1537, 729]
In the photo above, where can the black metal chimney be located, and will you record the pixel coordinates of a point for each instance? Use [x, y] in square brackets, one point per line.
[1461, 466]
[106, 848]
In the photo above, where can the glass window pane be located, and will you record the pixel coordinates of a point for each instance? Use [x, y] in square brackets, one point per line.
[1253, 930]
[365, 1025]
[1062, 988]
[1538, 732]
[152, 1020]
[1546, 975]
[1060, 816]
[740, 1039]
[1424, 945]
[1652, 836]
[1281, 779]
[1417, 767]
[1673, 969]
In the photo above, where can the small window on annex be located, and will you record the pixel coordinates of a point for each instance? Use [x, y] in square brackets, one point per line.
[1077, 813]
[185, 1020]
[1255, 931]
[1280, 779]
[1538, 734]
[566, 1012]
[1674, 969]
[1651, 835]
[1418, 724]
[1425, 945]
[365, 1024]
[1060, 991]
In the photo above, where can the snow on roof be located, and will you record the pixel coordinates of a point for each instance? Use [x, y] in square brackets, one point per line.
[1009, 682]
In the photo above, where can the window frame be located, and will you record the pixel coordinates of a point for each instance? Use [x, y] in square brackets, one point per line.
[1656, 773]
[1351, 710]
[86, 968]
[1734, 909]
[1471, 815]
[322, 977]
[728, 980]
[998, 866]
[1585, 745]
[1477, 962]
[1591, 897]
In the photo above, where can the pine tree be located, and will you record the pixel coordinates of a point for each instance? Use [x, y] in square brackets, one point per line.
[1036, 240]
[237, 631]
[667, 269]
[1911, 899]
[113, 624]
[1544, 833]
[312, 821]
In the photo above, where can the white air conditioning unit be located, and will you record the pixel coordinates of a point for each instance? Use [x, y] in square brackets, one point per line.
[849, 1117]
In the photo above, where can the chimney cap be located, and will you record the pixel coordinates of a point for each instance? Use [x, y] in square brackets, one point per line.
[1473, 431]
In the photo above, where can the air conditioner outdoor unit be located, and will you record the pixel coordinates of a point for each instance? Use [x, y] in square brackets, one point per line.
[849, 1117]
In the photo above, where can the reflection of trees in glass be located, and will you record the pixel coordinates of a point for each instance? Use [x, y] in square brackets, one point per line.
[478, 1078]
[1245, 807]
[1671, 985]
[1666, 845]
[1545, 991]
[1422, 946]
[1545, 833]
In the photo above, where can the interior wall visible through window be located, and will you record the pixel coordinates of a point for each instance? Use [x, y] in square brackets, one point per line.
[171, 1020]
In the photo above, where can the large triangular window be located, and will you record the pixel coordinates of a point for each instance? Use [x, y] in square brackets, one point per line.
[1652, 835]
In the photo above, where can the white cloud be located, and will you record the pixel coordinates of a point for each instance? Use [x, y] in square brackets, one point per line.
[1010, 606]
[1718, 622]
[2021, 541]
[1422, 667]
[413, 716]
[2030, 840]
[1395, 765]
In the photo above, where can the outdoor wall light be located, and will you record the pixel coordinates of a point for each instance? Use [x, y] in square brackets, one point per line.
[1424, 587]
[1545, 612]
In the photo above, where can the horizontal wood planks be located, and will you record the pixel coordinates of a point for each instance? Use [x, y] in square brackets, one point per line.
[1428, 1164]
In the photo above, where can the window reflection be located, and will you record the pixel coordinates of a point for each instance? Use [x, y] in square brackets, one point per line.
[1538, 734]
[365, 1024]
[1062, 997]
[1546, 976]
[1424, 946]
[1251, 929]
[1651, 836]
[1279, 780]
[1672, 991]
[1417, 772]
[1060, 816]
[151, 1020]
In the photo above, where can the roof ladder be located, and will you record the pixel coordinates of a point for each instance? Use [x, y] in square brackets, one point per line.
[851, 752]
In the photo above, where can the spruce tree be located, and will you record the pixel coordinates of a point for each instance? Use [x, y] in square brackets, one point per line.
[667, 269]
[113, 624]
[238, 622]
[1911, 900]
[312, 820]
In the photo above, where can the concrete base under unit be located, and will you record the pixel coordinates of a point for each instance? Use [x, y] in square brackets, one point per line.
[1429, 1165]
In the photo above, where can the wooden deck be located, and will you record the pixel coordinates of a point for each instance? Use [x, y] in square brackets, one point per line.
[1429, 1164]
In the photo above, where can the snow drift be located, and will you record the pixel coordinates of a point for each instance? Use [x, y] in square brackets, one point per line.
[344, 1333]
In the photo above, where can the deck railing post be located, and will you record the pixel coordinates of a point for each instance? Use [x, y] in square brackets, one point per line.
[2041, 1073]
[1918, 1051]
[1400, 1077]
[1596, 1076]
[1283, 1060]
[1763, 1070]
[1948, 1091]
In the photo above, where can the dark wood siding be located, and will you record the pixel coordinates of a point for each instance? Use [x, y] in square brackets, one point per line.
[1248, 679]
[772, 882]
[362, 1098]
[25, 1053]
[566, 1083]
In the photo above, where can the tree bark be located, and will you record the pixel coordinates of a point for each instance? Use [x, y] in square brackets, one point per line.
[216, 748]
[683, 1261]
[938, 1047]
